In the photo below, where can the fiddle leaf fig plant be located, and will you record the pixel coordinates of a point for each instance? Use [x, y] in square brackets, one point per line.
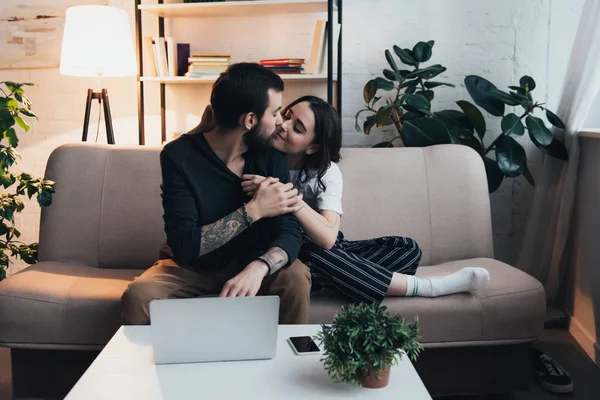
[15, 107]
[417, 125]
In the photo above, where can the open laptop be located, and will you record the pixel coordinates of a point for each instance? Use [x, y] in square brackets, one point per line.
[214, 329]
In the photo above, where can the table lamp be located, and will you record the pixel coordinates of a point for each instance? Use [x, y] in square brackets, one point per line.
[97, 42]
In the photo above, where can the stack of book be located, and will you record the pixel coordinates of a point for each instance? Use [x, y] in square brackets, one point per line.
[207, 64]
[284, 65]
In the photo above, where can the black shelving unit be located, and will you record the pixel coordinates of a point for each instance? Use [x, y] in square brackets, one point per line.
[161, 31]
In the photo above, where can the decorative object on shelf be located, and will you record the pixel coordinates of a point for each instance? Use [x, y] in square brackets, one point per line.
[97, 43]
[14, 105]
[317, 59]
[409, 110]
[284, 65]
[364, 342]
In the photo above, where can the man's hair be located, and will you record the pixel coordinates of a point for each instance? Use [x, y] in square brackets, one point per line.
[242, 88]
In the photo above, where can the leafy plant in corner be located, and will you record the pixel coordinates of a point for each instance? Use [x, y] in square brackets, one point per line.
[13, 106]
[417, 126]
[412, 98]
[364, 340]
[510, 157]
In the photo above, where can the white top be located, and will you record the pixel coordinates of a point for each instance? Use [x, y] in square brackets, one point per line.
[125, 370]
[314, 196]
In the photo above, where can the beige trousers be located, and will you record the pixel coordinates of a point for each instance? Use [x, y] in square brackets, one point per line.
[166, 280]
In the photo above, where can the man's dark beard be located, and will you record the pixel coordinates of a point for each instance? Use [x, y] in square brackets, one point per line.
[256, 142]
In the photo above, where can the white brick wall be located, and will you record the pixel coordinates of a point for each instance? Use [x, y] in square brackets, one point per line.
[499, 41]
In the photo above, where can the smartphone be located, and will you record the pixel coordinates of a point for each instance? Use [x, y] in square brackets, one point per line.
[303, 345]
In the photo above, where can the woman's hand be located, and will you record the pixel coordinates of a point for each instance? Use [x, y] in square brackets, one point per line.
[273, 198]
[250, 183]
[208, 121]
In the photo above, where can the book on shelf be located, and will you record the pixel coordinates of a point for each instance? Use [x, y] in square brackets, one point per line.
[207, 64]
[284, 65]
[163, 57]
[317, 60]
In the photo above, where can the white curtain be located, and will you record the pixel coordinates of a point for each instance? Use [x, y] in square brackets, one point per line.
[544, 254]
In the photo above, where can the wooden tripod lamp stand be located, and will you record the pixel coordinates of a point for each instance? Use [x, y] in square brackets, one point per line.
[97, 43]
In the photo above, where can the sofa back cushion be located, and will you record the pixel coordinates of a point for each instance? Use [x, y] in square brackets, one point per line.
[107, 208]
[436, 195]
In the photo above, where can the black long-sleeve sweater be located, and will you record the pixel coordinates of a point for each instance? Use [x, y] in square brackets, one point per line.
[199, 189]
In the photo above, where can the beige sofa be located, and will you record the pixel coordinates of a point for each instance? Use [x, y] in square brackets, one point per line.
[105, 226]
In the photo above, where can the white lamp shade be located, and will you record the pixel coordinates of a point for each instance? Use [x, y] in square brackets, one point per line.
[97, 42]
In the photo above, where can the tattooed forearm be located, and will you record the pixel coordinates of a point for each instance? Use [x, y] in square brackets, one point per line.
[276, 258]
[218, 233]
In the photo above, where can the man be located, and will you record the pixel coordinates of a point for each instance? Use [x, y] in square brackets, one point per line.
[217, 243]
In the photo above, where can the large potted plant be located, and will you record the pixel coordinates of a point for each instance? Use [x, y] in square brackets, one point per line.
[14, 106]
[364, 342]
[409, 110]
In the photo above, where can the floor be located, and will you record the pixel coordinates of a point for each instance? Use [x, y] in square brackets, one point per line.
[557, 343]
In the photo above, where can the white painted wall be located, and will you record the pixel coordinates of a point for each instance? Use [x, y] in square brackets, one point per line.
[499, 41]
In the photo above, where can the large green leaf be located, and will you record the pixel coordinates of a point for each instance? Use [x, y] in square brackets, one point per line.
[422, 52]
[11, 136]
[494, 175]
[473, 143]
[511, 125]
[539, 134]
[554, 120]
[423, 132]
[456, 122]
[22, 123]
[529, 176]
[416, 102]
[356, 125]
[383, 114]
[433, 84]
[27, 113]
[474, 115]
[504, 97]
[479, 89]
[7, 179]
[369, 123]
[527, 82]
[427, 73]
[384, 84]
[556, 149]
[8, 155]
[405, 55]
[428, 94]
[390, 60]
[370, 90]
[391, 75]
[511, 157]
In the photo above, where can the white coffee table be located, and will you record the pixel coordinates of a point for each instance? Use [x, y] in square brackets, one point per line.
[125, 370]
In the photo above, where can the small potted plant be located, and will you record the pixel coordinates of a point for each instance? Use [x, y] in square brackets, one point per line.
[364, 342]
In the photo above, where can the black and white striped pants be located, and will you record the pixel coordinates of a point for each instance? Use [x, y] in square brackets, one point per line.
[361, 270]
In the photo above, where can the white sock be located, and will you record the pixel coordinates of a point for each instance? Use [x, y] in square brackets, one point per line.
[465, 280]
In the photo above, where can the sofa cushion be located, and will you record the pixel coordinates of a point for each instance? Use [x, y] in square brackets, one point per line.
[509, 309]
[60, 303]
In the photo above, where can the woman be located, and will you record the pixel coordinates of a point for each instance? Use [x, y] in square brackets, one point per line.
[363, 270]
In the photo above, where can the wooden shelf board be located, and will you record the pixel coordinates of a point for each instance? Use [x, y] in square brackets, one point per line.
[211, 79]
[233, 8]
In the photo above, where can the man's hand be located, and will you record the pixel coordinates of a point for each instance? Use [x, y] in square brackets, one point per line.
[247, 282]
[273, 198]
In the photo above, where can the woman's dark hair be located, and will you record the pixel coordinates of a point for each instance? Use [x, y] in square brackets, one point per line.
[328, 136]
[242, 88]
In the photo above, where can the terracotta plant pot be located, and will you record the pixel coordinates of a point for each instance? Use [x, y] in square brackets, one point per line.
[371, 380]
